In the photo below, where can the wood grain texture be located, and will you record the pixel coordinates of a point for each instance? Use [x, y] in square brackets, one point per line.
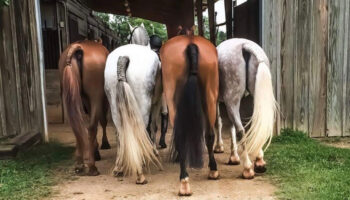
[9, 81]
[346, 80]
[318, 70]
[20, 94]
[287, 63]
[335, 68]
[303, 20]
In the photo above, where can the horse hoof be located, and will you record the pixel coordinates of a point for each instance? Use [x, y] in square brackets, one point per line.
[234, 160]
[141, 180]
[185, 189]
[142, 183]
[97, 156]
[93, 171]
[219, 149]
[259, 166]
[118, 174]
[213, 175]
[248, 173]
[79, 170]
[105, 146]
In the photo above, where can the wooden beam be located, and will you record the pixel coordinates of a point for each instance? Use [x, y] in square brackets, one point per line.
[211, 12]
[229, 22]
[200, 17]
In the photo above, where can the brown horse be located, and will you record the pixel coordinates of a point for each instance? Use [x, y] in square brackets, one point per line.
[191, 83]
[81, 68]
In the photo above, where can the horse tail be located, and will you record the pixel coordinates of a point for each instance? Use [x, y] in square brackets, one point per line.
[135, 149]
[265, 105]
[71, 89]
[188, 125]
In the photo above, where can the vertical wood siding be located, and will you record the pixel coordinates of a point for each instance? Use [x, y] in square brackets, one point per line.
[308, 44]
[20, 94]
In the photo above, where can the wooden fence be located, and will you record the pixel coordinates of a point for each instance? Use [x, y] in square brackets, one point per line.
[20, 94]
[308, 43]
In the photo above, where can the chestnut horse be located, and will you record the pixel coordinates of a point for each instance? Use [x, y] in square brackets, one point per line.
[191, 83]
[81, 68]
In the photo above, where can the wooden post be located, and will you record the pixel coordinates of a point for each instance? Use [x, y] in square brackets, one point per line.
[229, 22]
[199, 16]
[211, 14]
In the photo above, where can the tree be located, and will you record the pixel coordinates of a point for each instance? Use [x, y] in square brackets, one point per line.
[220, 35]
[120, 25]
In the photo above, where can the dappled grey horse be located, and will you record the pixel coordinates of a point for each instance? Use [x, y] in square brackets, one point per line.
[244, 68]
[139, 35]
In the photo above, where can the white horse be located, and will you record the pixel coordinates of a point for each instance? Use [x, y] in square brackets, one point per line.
[244, 67]
[133, 88]
[139, 35]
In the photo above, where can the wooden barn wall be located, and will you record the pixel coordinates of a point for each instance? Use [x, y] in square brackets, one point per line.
[20, 94]
[308, 44]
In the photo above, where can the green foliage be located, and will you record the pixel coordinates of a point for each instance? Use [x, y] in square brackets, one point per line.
[304, 168]
[120, 25]
[31, 174]
[220, 35]
[4, 3]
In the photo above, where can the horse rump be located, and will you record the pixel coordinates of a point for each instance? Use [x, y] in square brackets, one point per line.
[71, 89]
[265, 108]
[135, 149]
[188, 137]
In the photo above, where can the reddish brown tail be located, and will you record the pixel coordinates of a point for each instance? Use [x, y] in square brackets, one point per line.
[71, 91]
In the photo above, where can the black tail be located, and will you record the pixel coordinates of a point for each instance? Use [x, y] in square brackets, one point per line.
[189, 127]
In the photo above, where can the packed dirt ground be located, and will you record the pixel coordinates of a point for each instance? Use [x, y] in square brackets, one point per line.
[161, 184]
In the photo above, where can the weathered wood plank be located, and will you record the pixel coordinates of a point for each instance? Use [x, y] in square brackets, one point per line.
[278, 25]
[318, 69]
[37, 111]
[303, 63]
[25, 59]
[9, 80]
[199, 17]
[21, 117]
[4, 15]
[287, 63]
[335, 68]
[346, 80]
[211, 14]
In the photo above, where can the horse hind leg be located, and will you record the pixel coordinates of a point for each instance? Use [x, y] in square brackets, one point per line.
[233, 112]
[209, 138]
[234, 157]
[219, 147]
[92, 150]
[164, 124]
[259, 164]
[185, 189]
[103, 121]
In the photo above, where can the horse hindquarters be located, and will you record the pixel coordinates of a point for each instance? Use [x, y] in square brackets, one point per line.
[135, 149]
[71, 90]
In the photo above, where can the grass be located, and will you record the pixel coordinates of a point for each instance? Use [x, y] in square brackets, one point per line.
[32, 173]
[304, 168]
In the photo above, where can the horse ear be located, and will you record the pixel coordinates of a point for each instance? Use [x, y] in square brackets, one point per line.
[142, 25]
[131, 28]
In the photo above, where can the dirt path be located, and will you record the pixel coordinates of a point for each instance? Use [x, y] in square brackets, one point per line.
[162, 184]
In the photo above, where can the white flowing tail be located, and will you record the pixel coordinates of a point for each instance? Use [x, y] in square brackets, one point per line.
[265, 107]
[135, 149]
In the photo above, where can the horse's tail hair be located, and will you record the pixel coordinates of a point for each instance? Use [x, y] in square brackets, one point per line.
[135, 149]
[71, 90]
[265, 106]
[188, 126]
